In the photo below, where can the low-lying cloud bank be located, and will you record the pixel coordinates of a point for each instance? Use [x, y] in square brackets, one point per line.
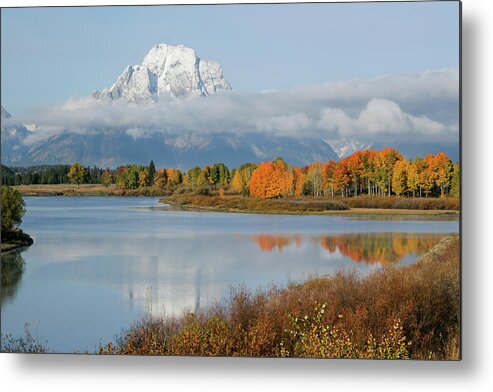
[401, 107]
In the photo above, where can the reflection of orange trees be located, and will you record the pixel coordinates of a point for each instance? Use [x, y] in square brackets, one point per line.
[382, 248]
[370, 248]
[268, 242]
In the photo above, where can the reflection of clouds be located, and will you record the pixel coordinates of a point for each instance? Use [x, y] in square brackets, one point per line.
[170, 274]
[177, 290]
[174, 274]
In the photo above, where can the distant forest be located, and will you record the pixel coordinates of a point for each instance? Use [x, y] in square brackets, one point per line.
[46, 174]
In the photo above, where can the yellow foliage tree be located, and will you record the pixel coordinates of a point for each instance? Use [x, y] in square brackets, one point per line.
[237, 183]
[144, 178]
[160, 179]
[399, 177]
[77, 174]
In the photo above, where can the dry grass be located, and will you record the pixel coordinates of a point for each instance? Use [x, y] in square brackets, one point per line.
[312, 205]
[406, 203]
[394, 313]
[84, 190]
[245, 204]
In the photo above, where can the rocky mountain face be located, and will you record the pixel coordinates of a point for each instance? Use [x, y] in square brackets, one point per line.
[114, 148]
[12, 141]
[344, 147]
[167, 72]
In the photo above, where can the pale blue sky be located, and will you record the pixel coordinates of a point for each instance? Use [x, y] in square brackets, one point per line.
[51, 54]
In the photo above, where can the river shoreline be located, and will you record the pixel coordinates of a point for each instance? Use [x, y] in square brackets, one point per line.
[15, 240]
[230, 203]
[352, 211]
[238, 204]
[84, 190]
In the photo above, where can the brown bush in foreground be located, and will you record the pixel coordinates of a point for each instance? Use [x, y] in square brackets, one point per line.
[394, 313]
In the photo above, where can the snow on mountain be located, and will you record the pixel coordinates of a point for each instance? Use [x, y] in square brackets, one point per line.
[344, 147]
[13, 135]
[166, 71]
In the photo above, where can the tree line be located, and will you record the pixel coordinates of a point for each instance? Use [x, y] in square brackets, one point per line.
[372, 172]
[206, 179]
[46, 174]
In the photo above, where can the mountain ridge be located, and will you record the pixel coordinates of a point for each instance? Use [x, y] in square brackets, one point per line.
[167, 71]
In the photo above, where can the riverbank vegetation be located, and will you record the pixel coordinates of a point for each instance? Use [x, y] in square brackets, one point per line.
[409, 312]
[370, 179]
[374, 205]
[237, 203]
[12, 212]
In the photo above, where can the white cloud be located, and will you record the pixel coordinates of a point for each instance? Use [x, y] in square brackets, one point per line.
[406, 106]
[380, 117]
[291, 124]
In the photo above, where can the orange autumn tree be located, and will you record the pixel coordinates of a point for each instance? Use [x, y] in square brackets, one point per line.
[342, 177]
[299, 179]
[328, 180]
[356, 168]
[270, 180]
[442, 167]
[427, 175]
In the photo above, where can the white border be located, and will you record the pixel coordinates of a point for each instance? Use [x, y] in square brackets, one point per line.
[92, 373]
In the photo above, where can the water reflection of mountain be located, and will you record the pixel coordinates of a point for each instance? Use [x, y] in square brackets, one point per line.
[369, 248]
[12, 270]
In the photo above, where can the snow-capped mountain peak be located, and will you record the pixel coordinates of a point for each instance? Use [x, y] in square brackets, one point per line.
[344, 147]
[166, 71]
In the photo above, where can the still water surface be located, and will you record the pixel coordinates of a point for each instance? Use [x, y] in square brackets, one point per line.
[100, 263]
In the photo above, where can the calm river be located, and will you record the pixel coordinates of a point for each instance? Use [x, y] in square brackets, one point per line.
[100, 263]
